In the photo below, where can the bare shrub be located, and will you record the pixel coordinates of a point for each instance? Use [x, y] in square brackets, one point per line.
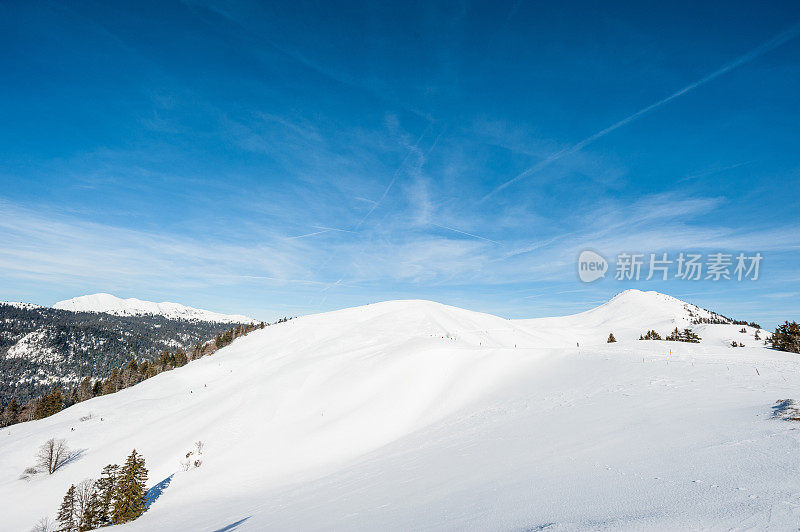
[787, 409]
[83, 500]
[28, 473]
[44, 525]
[53, 454]
[188, 462]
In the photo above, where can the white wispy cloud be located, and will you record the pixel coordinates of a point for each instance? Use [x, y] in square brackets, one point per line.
[54, 247]
[49, 247]
[411, 150]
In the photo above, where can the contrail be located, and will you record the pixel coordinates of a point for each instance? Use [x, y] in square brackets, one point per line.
[310, 234]
[763, 48]
[322, 229]
[394, 178]
[376, 204]
[465, 233]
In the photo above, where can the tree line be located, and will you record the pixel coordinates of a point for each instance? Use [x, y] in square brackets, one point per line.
[785, 338]
[686, 335]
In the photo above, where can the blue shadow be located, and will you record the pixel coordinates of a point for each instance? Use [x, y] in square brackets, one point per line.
[233, 526]
[155, 492]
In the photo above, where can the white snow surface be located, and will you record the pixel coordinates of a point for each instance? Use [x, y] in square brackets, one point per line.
[411, 415]
[18, 304]
[110, 304]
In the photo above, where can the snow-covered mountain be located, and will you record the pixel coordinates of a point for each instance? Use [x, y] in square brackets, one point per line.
[110, 304]
[630, 314]
[409, 415]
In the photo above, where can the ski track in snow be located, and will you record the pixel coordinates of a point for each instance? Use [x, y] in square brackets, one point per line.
[410, 415]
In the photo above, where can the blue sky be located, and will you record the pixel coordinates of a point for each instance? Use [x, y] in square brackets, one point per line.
[287, 158]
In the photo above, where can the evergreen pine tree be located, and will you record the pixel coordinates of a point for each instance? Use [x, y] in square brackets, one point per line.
[129, 491]
[42, 406]
[66, 513]
[111, 385]
[130, 375]
[652, 335]
[611, 338]
[48, 404]
[11, 413]
[786, 337]
[689, 336]
[85, 389]
[91, 514]
[180, 358]
[105, 494]
[71, 398]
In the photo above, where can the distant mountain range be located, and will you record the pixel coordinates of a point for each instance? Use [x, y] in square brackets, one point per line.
[110, 304]
[41, 347]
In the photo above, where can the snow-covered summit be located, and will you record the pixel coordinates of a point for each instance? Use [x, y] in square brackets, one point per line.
[110, 304]
[634, 301]
[627, 315]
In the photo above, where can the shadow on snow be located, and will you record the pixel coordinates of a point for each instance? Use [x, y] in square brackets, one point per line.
[155, 492]
[233, 526]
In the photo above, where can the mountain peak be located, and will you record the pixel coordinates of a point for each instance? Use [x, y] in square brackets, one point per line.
[111, 304]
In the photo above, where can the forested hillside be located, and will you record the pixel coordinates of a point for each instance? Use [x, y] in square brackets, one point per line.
[43, 347]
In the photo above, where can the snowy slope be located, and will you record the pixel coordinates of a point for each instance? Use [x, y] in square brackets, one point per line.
[136, 307]
[410, 414]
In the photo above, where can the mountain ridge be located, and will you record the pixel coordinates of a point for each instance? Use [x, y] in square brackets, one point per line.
[109, 304]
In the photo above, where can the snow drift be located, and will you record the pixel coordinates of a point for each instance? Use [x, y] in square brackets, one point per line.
[412, 414]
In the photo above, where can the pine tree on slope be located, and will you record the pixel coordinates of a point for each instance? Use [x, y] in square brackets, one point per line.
[129, 492]
[91, 514]
[66, 513]
[105, 494]
[85, 389]
[786, 337]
